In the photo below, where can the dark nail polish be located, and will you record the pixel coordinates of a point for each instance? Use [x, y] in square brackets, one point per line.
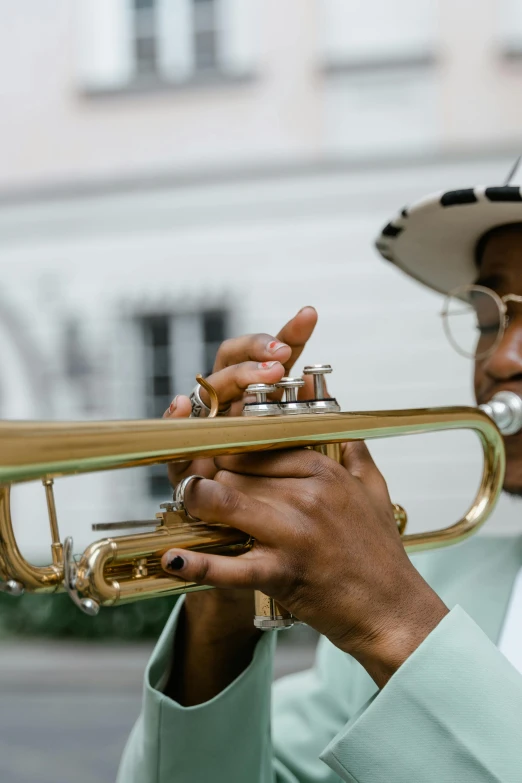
[177, 563]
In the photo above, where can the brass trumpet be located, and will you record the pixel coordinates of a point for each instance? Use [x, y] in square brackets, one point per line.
[123, 568]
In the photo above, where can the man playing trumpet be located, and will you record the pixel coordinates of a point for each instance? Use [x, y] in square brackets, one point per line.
[409, 683]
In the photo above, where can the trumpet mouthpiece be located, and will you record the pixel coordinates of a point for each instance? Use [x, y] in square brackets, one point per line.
[505, 408]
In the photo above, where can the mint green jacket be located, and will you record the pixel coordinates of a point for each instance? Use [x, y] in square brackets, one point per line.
[453, 711]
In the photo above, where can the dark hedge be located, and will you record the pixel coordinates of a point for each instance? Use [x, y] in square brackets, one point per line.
[56, 616]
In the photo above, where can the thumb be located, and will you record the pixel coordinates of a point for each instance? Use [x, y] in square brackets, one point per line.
[297, 332]
[358, 461]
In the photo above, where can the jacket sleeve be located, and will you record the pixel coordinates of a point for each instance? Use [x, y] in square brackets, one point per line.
[223, 740]
[453, 711]
[230, 739]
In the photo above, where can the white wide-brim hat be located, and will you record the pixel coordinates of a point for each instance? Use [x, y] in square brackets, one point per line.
[435, 239]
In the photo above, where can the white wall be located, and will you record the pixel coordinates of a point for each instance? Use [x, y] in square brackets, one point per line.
[479, 84]
[392, 111]
[365, 31]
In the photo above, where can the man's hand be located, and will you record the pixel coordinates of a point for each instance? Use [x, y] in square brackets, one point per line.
[326, 547]
[241, 361]
[216, 638]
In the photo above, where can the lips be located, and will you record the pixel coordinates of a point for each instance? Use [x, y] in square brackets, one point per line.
[515, 387]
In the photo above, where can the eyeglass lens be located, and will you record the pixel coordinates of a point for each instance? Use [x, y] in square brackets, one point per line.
[473, 321]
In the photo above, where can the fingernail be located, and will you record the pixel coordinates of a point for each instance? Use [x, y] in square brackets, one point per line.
[176, 564]
[172, 407]
[266, 365]
[275, 346]
[306, 307]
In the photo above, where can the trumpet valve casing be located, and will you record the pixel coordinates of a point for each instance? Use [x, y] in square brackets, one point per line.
[269, 615]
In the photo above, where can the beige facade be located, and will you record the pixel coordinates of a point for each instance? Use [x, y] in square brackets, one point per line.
[295, 81]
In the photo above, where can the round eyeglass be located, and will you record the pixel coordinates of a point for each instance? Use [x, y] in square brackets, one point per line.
[475, 319]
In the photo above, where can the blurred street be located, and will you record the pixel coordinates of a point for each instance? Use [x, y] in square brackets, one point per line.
[67, 708]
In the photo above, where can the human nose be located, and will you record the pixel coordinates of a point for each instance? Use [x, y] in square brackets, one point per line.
[505, 363]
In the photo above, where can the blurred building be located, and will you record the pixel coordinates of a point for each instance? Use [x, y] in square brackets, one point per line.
[176, 171]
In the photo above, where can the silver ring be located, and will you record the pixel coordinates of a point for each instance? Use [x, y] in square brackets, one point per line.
[199, 409]
[179, 496]
[198, 406]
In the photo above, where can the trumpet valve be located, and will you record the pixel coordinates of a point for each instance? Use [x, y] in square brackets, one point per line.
[262, 406]
[321, 403]
[269, 615]
[172, 514]
[290, 403]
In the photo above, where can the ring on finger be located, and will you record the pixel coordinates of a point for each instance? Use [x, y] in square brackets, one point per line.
[179, 496]
[199, 408]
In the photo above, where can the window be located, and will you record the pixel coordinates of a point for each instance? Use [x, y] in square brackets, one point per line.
[145, 38]
[381, 92]
[214, 332]
[124, 43]
[205, 35]
[510, 17]
[158, 386]
[78, 368]
[158, 365]
[369, 32]
[176, 348]
[202, 20]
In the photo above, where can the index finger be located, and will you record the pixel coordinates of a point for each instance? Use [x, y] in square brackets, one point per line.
[211, 501]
